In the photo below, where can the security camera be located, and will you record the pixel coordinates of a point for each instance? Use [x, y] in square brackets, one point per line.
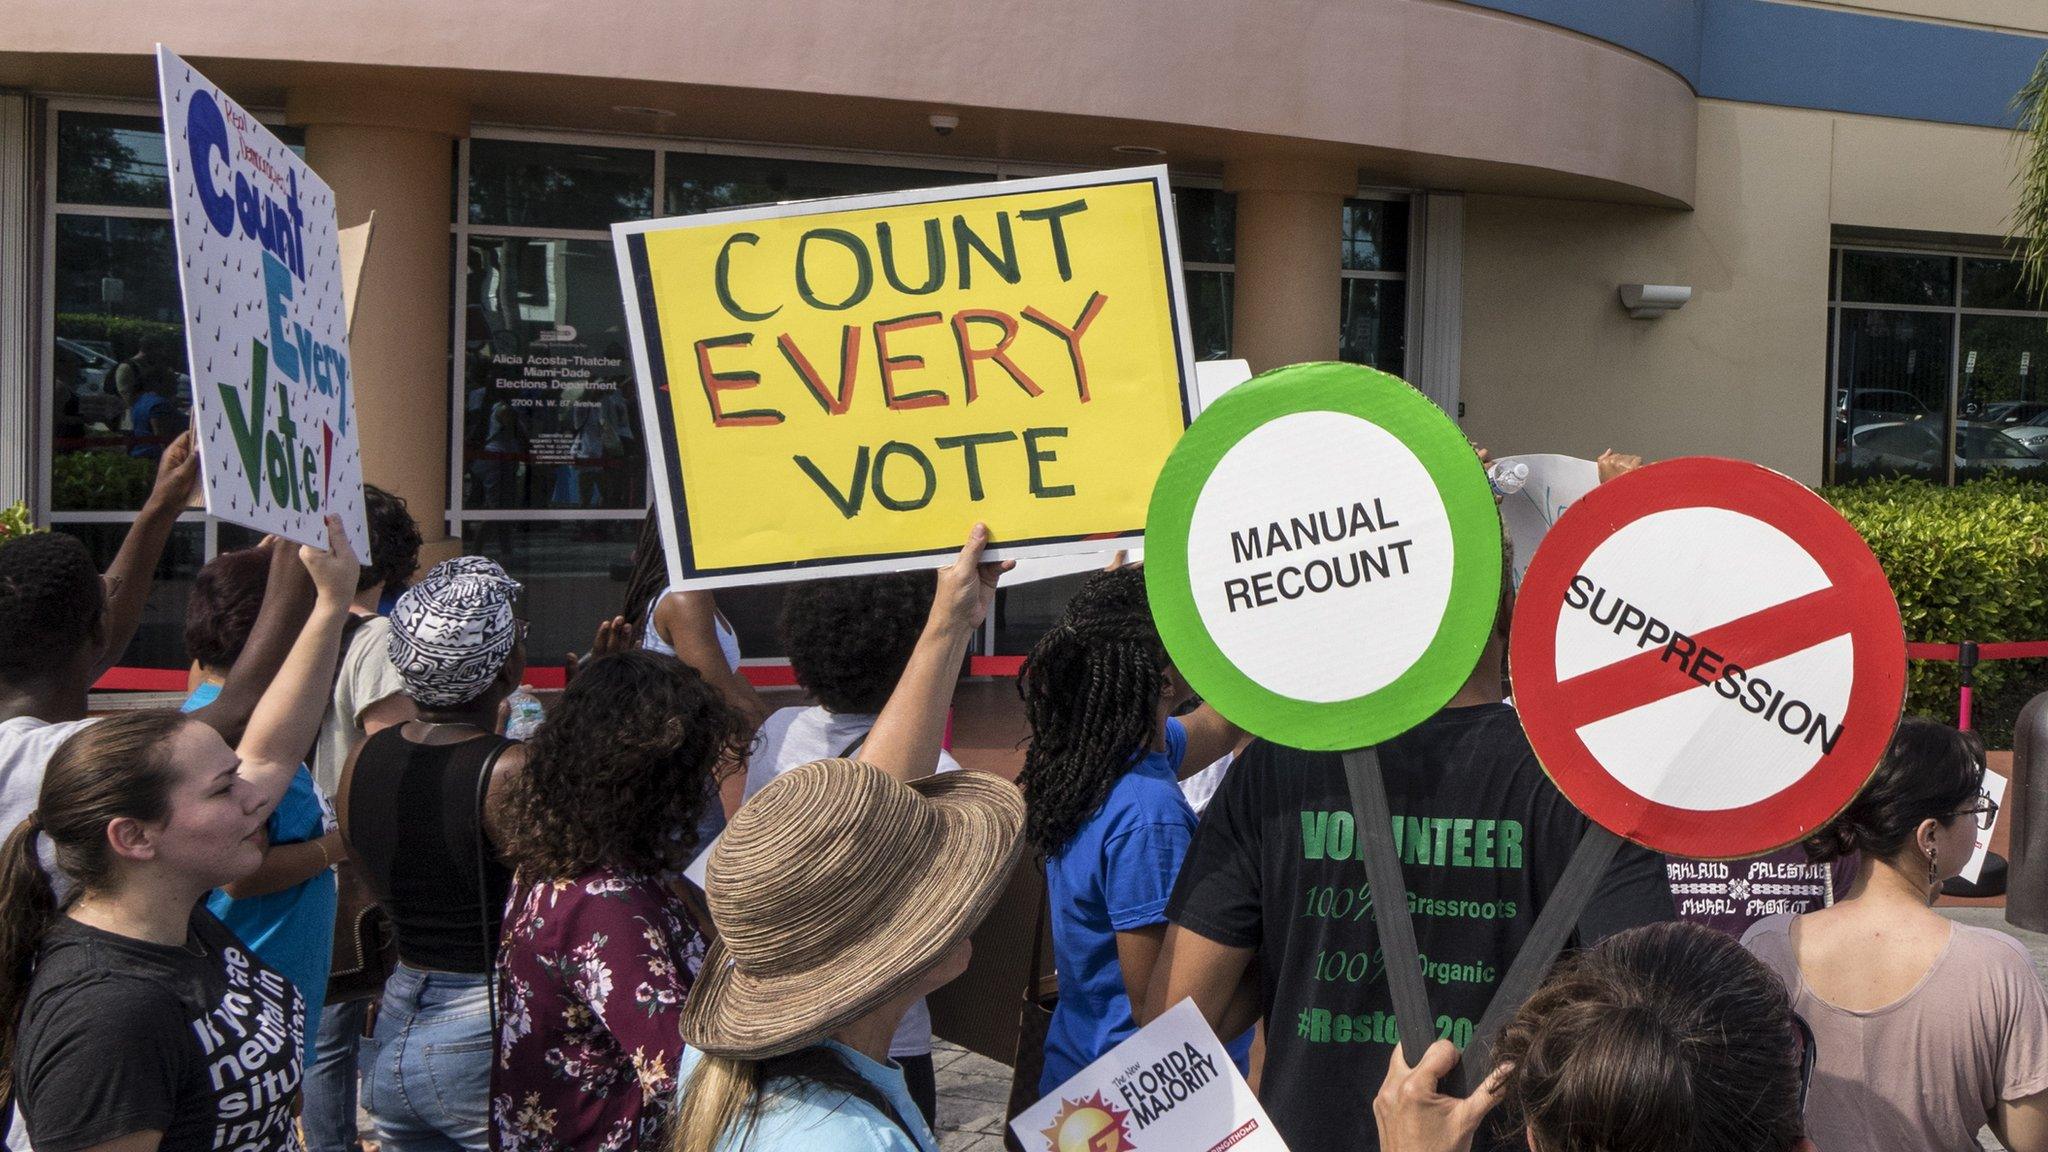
[943, 123]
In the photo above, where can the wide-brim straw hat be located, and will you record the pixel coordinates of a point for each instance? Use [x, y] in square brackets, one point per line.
[834, 889]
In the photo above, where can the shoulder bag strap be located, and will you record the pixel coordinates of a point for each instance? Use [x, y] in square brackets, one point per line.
[483, 885]
[1037, 977]
[855, 744]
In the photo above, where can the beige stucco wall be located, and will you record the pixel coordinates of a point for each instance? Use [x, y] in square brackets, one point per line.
[2005, 15]
[1553, 364]
[1402, 86]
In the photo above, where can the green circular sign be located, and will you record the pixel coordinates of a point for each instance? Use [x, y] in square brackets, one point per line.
[1323, 556]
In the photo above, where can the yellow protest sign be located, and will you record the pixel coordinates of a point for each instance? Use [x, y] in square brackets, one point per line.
[845, 385]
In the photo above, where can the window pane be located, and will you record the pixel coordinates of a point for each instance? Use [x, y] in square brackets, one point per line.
[1996, 284]
[1891, 393]
[1208, 225]
[120, 351]
[160, 641]
[2004, 404]
[1026, 612]
[551, 414]
[1374, 324]
[111, 160]
[701, 182]
[1375, 236]
[1209, 313]
[1898, 278]
[574, 574]
[558, 185]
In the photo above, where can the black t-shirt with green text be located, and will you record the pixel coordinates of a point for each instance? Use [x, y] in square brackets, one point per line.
[1484, 837]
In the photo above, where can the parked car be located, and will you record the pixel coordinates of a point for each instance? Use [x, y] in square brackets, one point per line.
[2013, 411]
[1916, 446]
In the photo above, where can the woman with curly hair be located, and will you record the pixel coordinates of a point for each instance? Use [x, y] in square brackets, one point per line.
[599, 951]
[1101, 777]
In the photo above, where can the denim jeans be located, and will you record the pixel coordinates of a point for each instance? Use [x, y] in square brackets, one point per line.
[427, 1067]
[328, 1113]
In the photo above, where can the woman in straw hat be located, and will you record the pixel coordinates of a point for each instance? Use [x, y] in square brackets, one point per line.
[842, 895]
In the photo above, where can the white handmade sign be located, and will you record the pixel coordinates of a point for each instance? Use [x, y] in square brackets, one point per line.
[1994, 787]
[1169, 1088]
[1553, 485]
[1707, 658]
[266, 329]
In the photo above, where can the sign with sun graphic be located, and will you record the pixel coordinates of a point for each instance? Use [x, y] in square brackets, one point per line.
[1169, 1088]
[1090, 1125]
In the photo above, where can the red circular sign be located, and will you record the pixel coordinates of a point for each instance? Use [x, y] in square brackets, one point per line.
[1707, 658]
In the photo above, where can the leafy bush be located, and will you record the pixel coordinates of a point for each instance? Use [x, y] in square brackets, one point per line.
[1967, 563]
[124, 333]
[14, 521]
[100, 481]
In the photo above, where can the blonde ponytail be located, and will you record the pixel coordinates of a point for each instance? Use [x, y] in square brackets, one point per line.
[720, 1096]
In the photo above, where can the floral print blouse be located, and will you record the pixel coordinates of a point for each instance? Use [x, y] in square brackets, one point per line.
[592, 976]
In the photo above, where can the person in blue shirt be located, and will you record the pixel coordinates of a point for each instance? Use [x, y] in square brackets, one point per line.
[1101, 777]
[284, 911]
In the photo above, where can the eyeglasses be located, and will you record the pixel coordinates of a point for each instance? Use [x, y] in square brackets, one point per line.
[1985, 810]
[1808, 1051]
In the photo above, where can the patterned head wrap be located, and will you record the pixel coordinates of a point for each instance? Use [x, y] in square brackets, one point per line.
[452, 631]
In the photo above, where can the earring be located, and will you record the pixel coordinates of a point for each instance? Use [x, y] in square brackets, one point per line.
[1933, 873]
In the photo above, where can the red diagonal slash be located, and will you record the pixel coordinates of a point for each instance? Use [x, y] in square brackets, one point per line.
[1749, 641]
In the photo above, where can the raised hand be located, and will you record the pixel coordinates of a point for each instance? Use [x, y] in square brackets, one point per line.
[967, 586]
[334, 568]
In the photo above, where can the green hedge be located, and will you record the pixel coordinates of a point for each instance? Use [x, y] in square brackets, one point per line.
[1967, 563]
[125, 333]
[111, 481]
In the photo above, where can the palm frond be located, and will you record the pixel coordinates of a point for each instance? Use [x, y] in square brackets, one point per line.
[2030, 218]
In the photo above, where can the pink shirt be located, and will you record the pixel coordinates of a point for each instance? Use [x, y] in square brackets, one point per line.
[1927, 1070]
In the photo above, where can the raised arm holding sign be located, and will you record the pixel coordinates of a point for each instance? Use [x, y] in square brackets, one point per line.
[266, 330]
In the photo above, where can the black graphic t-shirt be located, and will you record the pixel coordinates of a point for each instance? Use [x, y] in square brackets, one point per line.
[1484, 837]
[200, 1042]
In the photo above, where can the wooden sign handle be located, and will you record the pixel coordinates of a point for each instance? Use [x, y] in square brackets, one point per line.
[1553, 927]
[1390, 902]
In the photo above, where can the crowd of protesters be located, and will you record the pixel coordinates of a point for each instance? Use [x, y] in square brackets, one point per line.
[677, 920]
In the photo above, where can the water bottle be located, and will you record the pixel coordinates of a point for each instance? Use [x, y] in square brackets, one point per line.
[523, 714]
[1507, 477]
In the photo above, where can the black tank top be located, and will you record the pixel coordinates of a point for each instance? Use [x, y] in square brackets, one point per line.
[412, 821]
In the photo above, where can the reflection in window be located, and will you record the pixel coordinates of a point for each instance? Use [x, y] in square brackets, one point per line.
[1208, 225]
[1375, 324]
[532, 185]
[160, 639]
[120, 389]
[1375, 236]
[551, 415]
[1894, 370]
[111, 160]
[1897, 278]
[706, 182]
[574, 573]
[1209, 300]
[1372, 321]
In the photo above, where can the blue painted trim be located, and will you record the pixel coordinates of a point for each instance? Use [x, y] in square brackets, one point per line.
[1766, 52]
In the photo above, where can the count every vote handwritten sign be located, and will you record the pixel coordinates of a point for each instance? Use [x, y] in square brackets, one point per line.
[845, 385]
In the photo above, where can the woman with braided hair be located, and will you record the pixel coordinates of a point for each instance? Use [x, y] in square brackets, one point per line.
[1105, 811]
